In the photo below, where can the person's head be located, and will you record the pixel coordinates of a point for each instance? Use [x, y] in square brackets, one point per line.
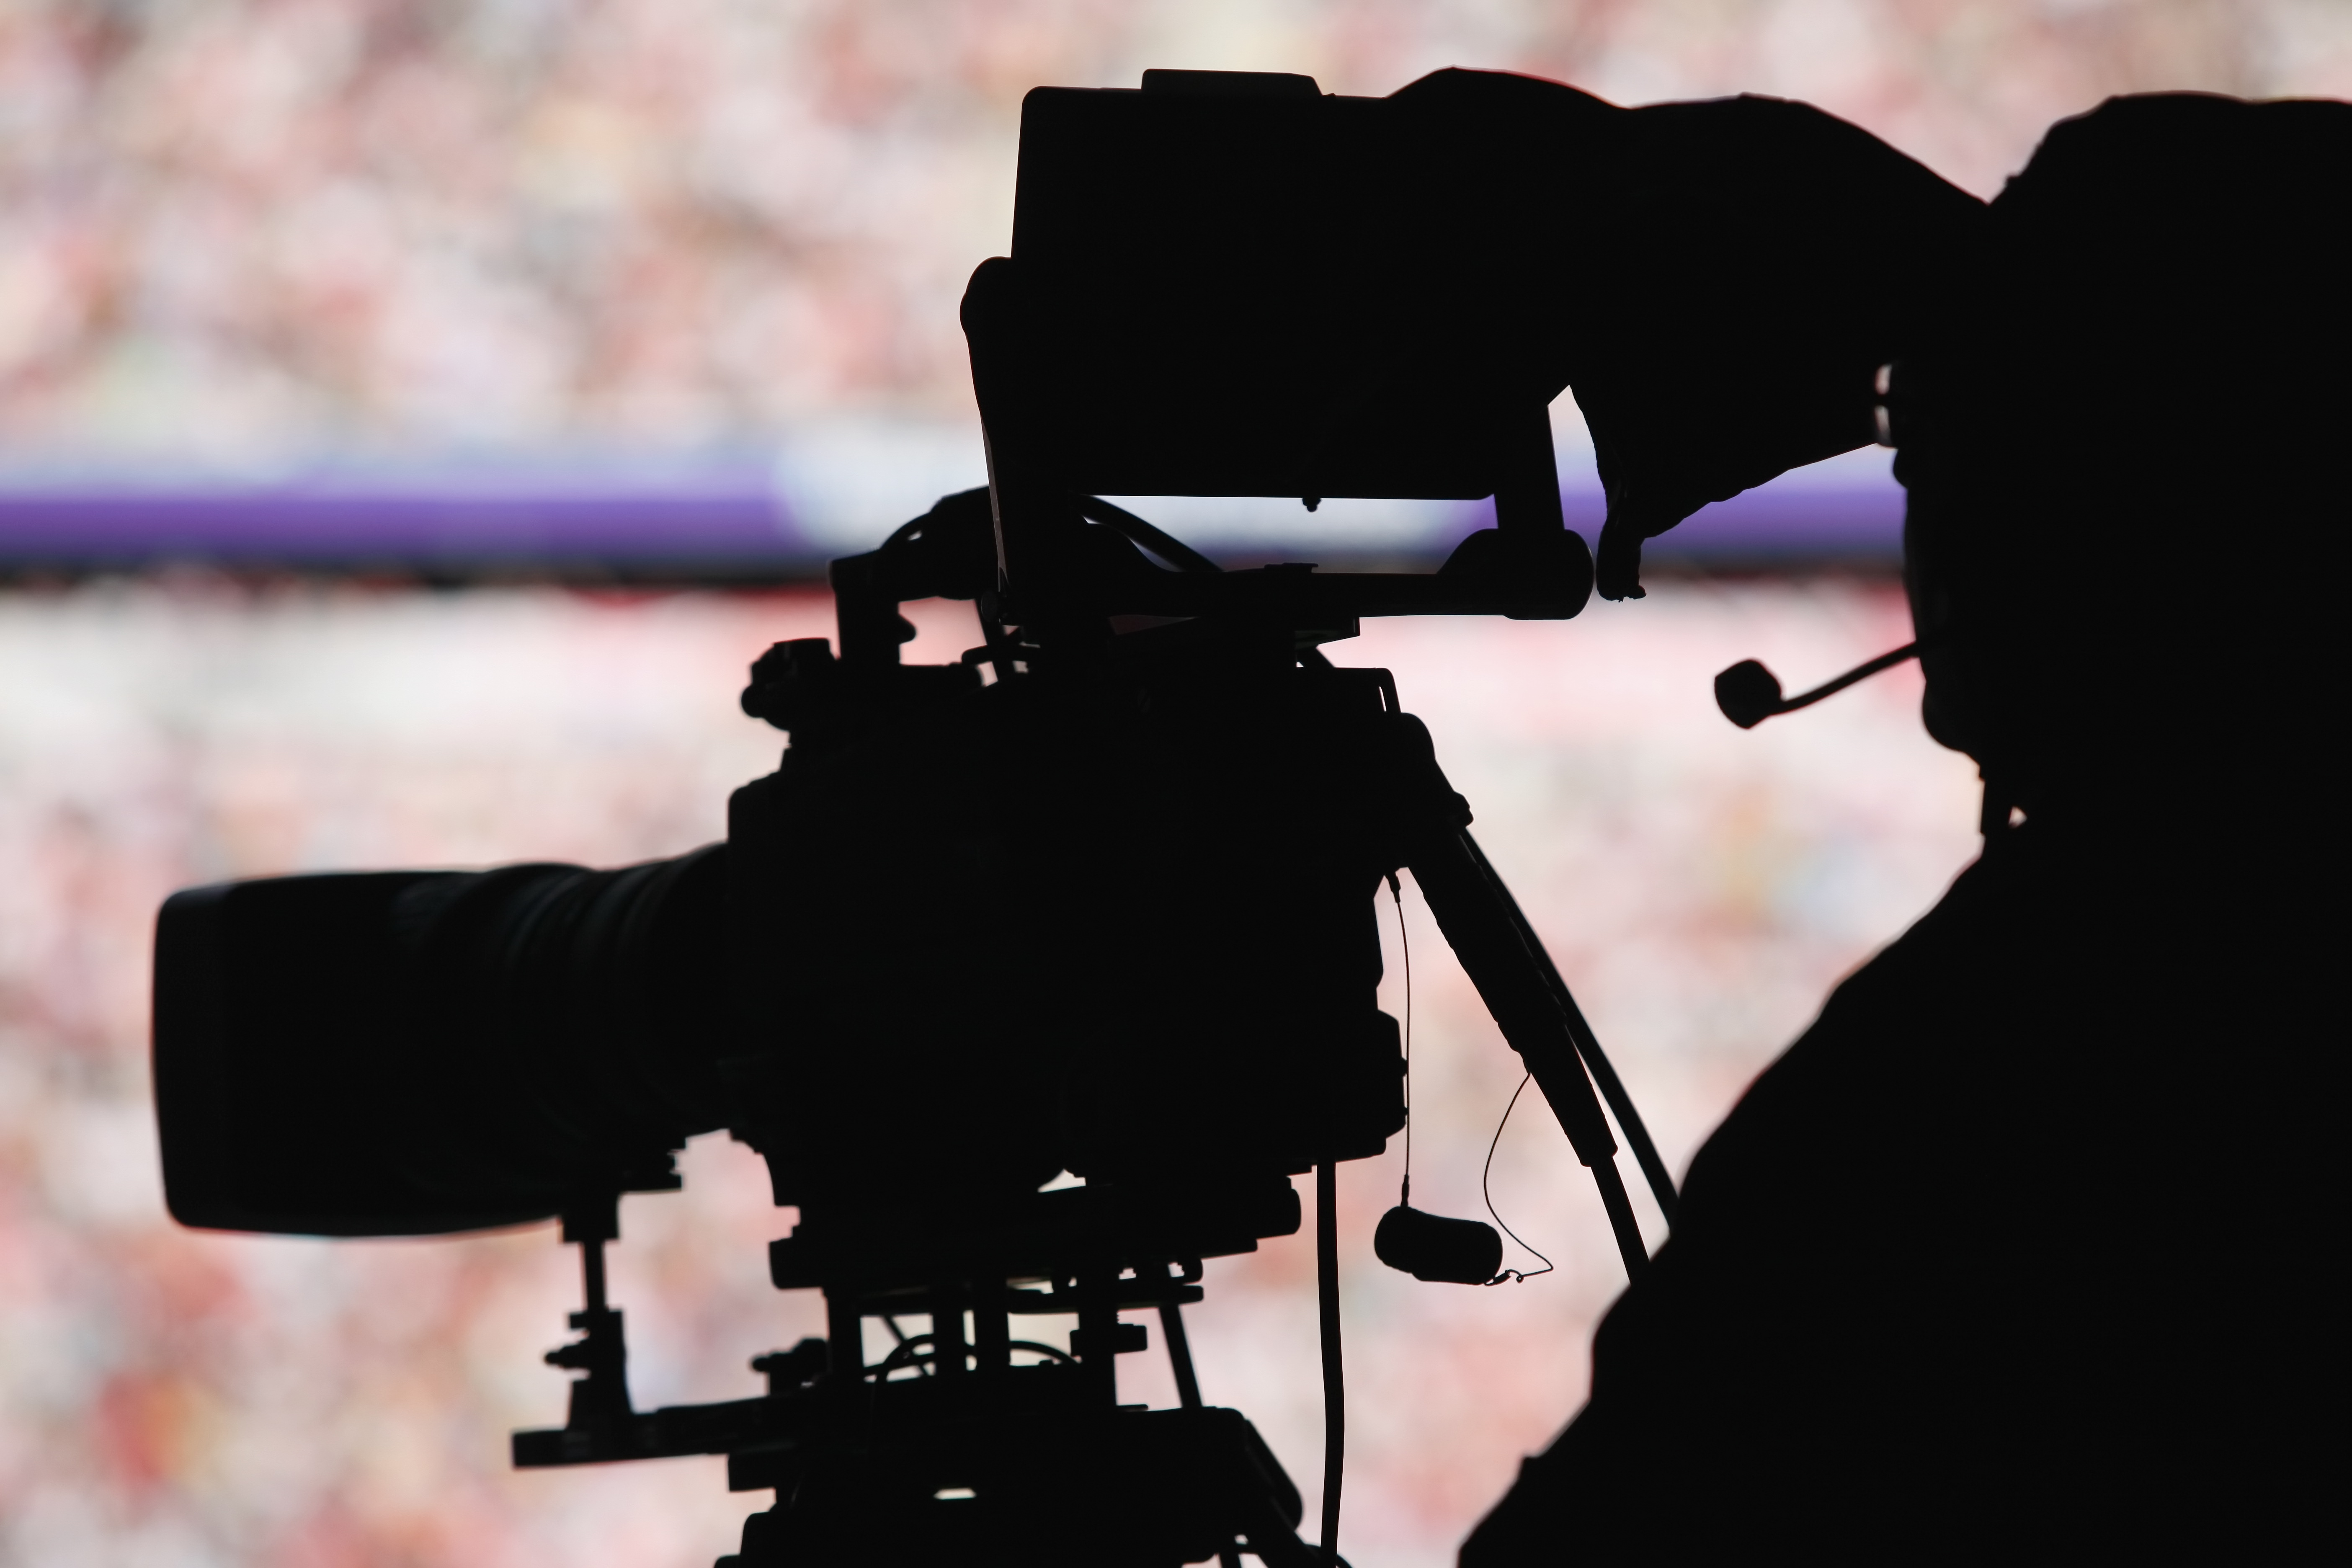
[2126, 450]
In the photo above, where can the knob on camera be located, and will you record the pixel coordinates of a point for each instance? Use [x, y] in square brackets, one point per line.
[1431, 1248]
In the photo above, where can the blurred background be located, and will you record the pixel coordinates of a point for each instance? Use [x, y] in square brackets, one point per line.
[414, 417]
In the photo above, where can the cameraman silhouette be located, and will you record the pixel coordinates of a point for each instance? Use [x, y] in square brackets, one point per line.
[2020, 1251]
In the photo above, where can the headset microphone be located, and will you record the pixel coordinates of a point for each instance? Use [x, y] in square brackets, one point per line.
[1749, 693]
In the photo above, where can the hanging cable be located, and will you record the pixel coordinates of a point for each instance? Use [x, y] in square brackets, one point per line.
[1588, 1048]
[1335, 1398]
[1404, 946]
[1516, 1275]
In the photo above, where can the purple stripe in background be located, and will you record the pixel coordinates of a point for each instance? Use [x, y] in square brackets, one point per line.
[1781, 522]
[1847, 511]
[441, 525]
[741, 520]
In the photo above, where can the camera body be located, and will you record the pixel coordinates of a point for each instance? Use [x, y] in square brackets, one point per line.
[1145, 951]
[1116, 922]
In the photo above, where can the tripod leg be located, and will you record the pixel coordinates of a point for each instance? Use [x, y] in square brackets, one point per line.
[1179, 1355]
[1188, 1388]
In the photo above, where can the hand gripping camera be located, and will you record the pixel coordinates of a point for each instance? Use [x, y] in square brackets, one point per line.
[1160, 817]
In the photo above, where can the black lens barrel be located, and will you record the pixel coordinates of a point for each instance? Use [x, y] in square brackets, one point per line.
[418, 1052]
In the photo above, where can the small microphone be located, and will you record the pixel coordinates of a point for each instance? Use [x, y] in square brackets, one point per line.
[1433, 1247]
[1749, 693]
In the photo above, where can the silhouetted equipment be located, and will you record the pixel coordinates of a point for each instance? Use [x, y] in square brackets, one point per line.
[1106, 910]
[403, 1053]
[1285, 333]
[1431, 1247]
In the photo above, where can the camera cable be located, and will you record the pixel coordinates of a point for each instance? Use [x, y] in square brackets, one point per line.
[1404, 947]
[1405, 1190]
[1335, 1397]
[1588, 1048]
[1145, 536]
[1485, 1176]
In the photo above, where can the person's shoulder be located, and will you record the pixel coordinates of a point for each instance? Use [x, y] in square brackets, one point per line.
[2177, 142]
[1946, 944]
[1889, 1038]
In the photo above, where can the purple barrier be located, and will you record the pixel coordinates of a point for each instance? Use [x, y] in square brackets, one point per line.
[1847, 511]
[740, 522]
[1788, 524]
[744, 525]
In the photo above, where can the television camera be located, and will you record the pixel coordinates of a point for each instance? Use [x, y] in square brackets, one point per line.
[1161, 817]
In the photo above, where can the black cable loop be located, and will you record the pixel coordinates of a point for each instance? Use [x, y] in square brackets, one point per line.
[1144, 535]
[909, 1353]
[1587, 1049]
[1517, 1277]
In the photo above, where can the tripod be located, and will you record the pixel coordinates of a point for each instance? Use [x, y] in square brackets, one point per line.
[964, 1443]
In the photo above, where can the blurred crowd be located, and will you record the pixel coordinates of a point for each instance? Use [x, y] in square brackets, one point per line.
[176, 1400]
[238, 232]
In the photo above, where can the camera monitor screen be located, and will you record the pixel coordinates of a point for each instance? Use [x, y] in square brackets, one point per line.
[1237, 285]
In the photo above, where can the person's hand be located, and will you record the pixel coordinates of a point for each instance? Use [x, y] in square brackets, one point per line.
[1718, 282]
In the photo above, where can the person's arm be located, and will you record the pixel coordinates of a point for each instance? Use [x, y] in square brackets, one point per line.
[1718, 282]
